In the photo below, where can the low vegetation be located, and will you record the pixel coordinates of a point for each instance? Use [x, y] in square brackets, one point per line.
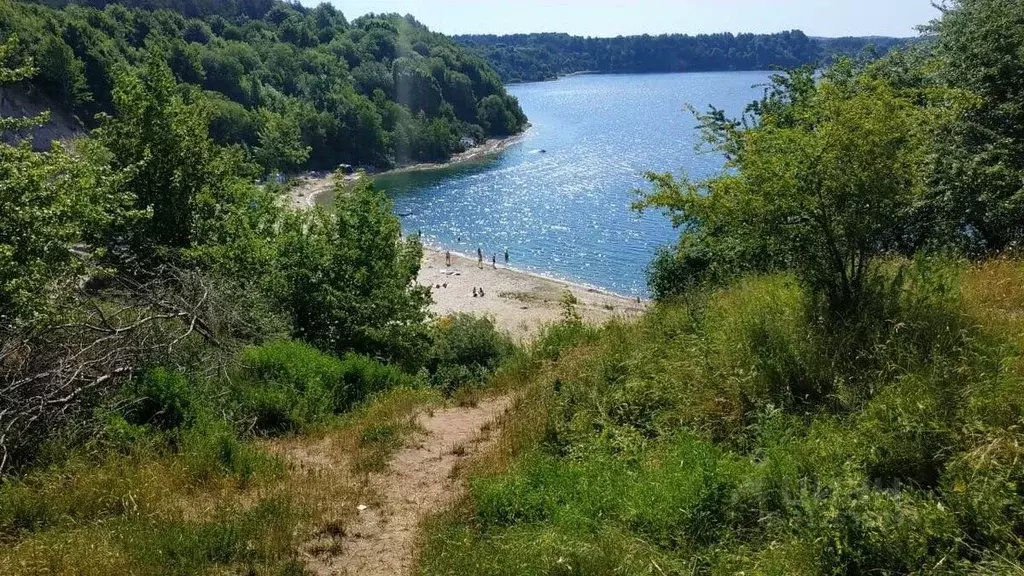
[831, 380]
[744, 434]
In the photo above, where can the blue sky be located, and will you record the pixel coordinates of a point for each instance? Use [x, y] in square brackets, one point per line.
[626, 17]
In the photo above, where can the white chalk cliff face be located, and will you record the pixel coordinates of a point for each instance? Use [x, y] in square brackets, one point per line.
[17, 102]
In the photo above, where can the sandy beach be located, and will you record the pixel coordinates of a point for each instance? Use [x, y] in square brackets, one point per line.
[520, 303]
[307, 190]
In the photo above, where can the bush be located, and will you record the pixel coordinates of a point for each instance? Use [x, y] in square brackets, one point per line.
[289, 386]
[285, 386]
[161, 398]
[361, 377]
[464, 350]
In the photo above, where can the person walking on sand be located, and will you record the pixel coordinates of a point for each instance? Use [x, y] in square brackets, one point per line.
[494, 261]
[479, 257]
[448, 258]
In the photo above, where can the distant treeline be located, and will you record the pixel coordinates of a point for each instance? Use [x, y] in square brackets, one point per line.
[299, 88]
[534, 57]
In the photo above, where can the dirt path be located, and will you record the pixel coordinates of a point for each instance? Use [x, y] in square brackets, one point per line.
[421, 479]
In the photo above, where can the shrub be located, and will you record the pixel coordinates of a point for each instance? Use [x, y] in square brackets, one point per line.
[288, 386]
[361, 377]
[285, 386]
[162, 398]
[465, 348]
[554, 339]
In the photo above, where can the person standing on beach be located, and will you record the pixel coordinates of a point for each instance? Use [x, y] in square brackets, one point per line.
[448, 258]
[506, 256]
[494, 261]
[479, 257]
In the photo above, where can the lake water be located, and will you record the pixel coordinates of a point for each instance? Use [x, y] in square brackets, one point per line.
[565, 212]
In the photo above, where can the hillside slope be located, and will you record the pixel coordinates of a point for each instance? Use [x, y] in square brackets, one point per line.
[300, 88]
[735, 434]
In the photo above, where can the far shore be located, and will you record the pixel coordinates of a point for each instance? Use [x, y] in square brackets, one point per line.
[308, 190]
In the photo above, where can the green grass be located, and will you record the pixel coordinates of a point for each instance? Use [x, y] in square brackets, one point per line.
[741, 433]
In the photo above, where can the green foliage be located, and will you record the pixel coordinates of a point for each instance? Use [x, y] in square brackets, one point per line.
[363, 377]
[348, 279]
[464, 350]
[738, 436]
[280, 148]
[50, 204]
[212, 448]
[823, 184]
[55, 208]
[161, 141]
[545, 56]
[285, 386]
[305, 82]
[289, 386]
[163, 399]
[979, 157]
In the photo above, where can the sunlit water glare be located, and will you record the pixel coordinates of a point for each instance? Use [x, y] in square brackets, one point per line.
[565, 212]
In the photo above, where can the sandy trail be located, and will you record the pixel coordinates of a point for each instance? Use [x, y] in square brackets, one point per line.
[420, 480]
[520, 303]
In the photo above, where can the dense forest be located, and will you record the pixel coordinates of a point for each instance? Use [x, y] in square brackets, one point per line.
[296, 87]
[534, 57]
[830, 379]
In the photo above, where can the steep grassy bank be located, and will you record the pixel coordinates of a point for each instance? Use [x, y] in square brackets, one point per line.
[188, 471]
[187, 475]
[738, 432]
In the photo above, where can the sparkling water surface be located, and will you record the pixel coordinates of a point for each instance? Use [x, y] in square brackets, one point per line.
[564, 212]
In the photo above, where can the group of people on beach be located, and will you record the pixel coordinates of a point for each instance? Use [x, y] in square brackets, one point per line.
[479, 258]
[477, 292]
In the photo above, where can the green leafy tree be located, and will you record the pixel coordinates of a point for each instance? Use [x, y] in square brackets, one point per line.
[979, 186]
[280, 142]
[160, 141]
[822, 183]
[348, 279]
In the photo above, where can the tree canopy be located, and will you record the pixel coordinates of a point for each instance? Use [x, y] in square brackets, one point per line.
[532, 57]
[832, 172]
[300, 88]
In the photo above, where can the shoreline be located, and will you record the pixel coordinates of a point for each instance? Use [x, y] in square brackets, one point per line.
[308, 190]
[491, 147]
[520, 303]
[540, 276]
